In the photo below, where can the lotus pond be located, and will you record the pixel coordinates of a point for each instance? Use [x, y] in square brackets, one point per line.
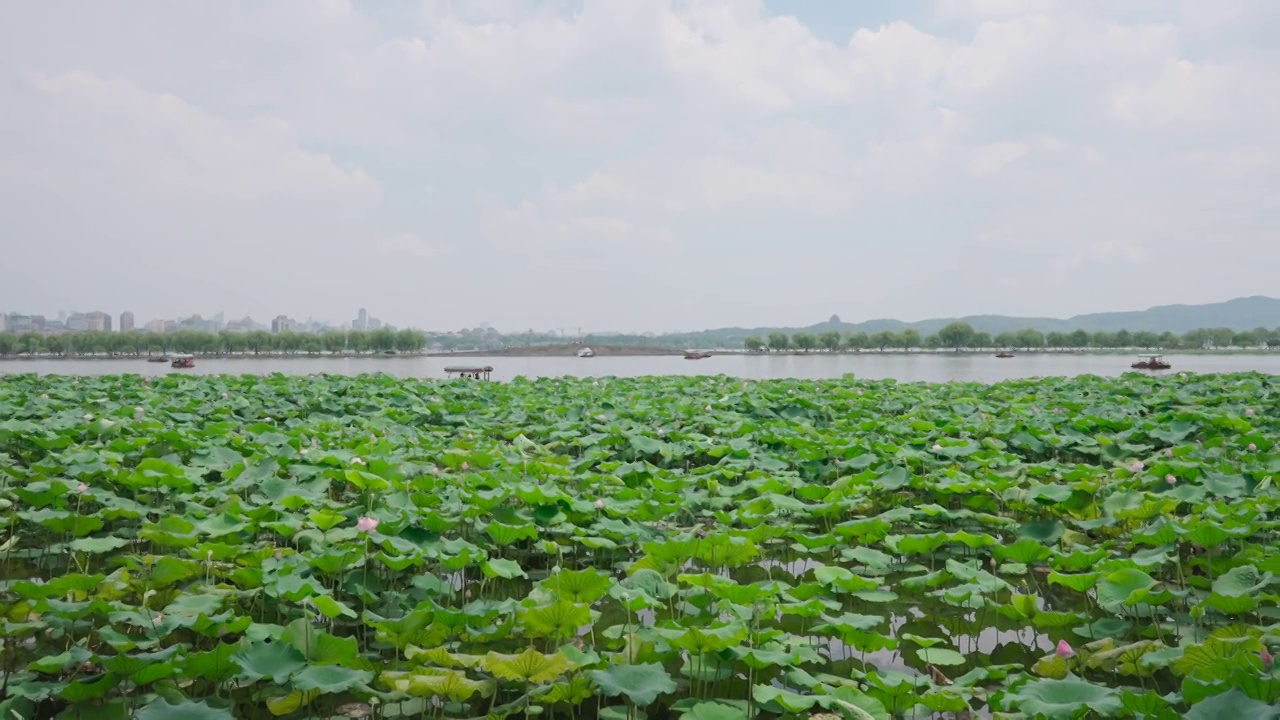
[694, 548]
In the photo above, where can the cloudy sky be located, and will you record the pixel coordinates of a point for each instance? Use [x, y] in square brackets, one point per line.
[636, 164]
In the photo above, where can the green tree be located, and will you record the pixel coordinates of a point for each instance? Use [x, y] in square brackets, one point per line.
[805, 341]
[1007, 339]
[753, 344]
[909, 338]
[1029, 338]
[857, 340]
[1146, 339]
[779, 341]
[31, 343]
[981, 340]
[957, 335]
[1078, 339]
[883, 340]
[1197, 338]
[1103, 339]
[830, 340]
[1057, 340]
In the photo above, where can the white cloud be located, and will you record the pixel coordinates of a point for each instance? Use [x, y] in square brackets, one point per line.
[108, 135]
[406, 244]
[666, 144]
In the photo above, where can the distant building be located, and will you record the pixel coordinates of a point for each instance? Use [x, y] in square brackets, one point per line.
[365, 321]
[126, 321]
[162, 326]
[98, 321]
[77, 322]
[281, 324]
[244, 324]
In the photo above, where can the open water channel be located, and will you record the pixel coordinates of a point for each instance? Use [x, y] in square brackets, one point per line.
[905, 367]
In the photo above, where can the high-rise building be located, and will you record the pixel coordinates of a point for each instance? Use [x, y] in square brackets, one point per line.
[126, 321]
[98, 321]
[281, 324]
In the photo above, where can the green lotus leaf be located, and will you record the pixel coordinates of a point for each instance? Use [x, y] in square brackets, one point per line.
[276, 661]
[1234, 705]
[714, 711]
[162, 709]
[329, 679]
[528, 666]
[640, 684]
[940, 656]
[1065, 698]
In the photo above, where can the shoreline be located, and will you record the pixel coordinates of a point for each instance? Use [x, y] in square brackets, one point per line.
[570, 351]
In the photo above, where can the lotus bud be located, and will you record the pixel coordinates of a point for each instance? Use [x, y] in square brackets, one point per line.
[1168, 452]
[599, 504]
[1248, 412]
[1253, 447]
[82, 488]
[466, 465]
[303, 452]
[1267, 658]
[1170, 479]
[1064, 649]
[937, 447]
[137, 413]
[1137, 466]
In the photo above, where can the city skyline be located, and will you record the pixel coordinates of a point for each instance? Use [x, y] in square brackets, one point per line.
[99, 321]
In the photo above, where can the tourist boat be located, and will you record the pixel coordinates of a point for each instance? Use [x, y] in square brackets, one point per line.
[1005, 354]
[1150, 362]
[586, 352]
[183, 361]
[696, 355]
[468, 372]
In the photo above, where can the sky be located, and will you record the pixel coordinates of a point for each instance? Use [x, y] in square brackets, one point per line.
[636, 165]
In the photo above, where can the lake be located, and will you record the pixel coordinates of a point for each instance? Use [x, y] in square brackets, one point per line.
[911, 367]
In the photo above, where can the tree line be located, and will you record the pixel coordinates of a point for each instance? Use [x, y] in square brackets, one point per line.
[960, 335]
[196, 342]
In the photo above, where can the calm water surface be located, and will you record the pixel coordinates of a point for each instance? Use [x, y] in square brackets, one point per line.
[921, 367]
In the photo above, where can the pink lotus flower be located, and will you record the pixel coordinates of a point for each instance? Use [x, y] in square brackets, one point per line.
[1248, 412]
[366, 525]
[1064, 649]
[1253, 447]
[599, 504]
[1267, 658]
[937, 447]
[466, 465]
[373, 437]
[1137, 466]
[1170, 479]
[1168, 453]
[82, 488]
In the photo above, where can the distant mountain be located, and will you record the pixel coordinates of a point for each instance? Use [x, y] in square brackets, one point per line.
[1240, 314]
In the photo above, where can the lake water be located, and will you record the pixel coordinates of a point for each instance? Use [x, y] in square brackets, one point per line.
[912, 367]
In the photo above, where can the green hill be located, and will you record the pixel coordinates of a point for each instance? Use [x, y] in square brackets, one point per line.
[1240, 314]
